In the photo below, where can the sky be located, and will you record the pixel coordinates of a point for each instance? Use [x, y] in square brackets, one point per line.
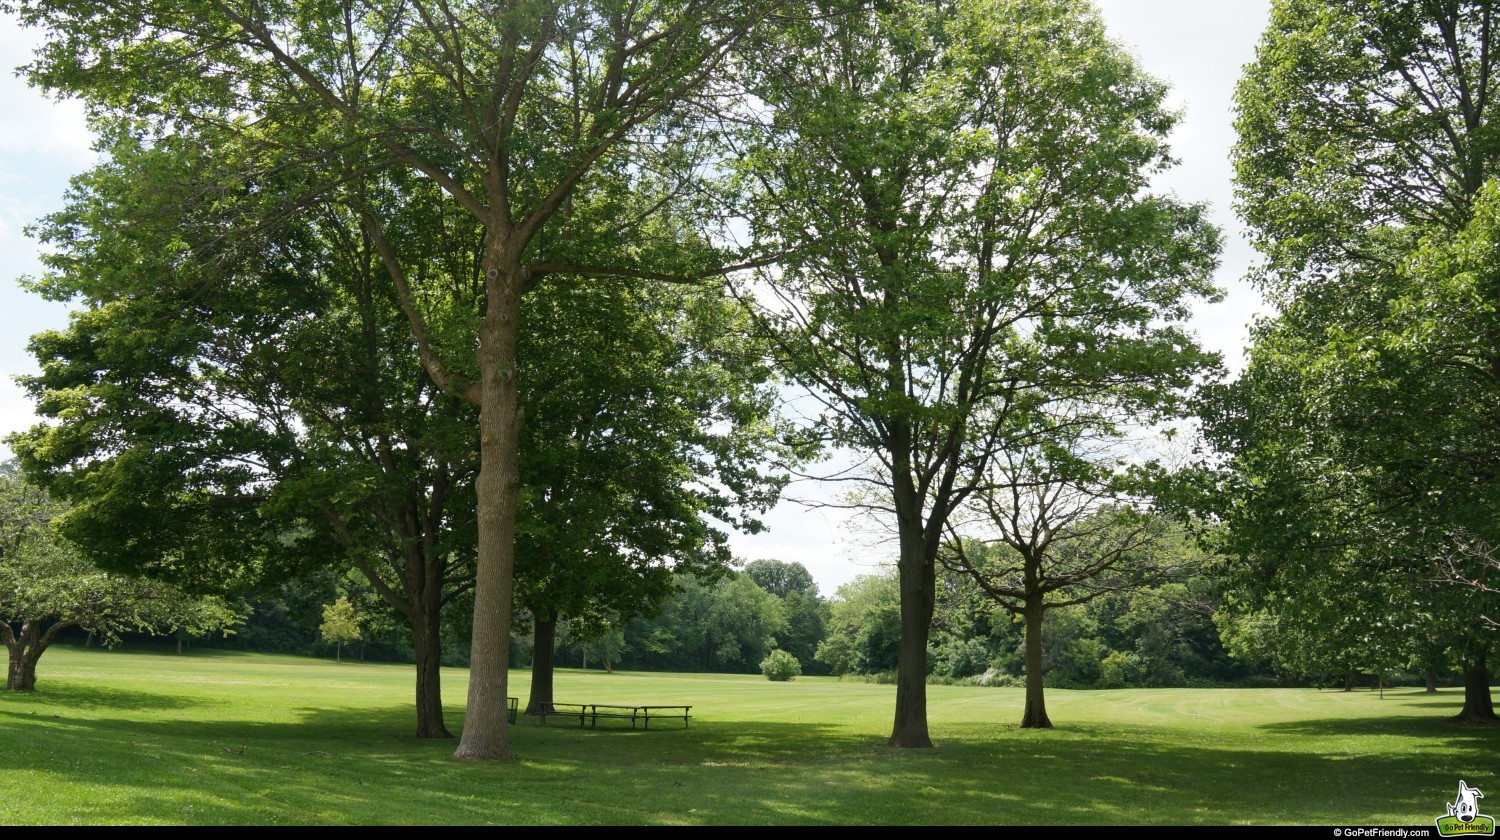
[1196, 47]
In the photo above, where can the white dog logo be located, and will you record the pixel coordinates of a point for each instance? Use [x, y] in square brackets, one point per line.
[1467, 803]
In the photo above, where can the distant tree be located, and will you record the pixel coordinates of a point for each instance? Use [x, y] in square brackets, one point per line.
[1056, 526]
[780, 578]
[724, 625]
[46, 588]
[864, 627]
[805, 611]
[340, 625]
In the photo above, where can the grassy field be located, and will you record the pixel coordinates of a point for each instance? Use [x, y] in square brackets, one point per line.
[128, 737]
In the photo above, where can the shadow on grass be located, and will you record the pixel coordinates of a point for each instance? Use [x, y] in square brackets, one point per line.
[63, 695]
[359, 766]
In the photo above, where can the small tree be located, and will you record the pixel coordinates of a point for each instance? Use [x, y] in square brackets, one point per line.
[780, 666]
[340, 625]
[46, 588]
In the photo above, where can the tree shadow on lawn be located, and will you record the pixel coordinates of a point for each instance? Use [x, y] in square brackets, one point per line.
[78, 695]
[335, 765]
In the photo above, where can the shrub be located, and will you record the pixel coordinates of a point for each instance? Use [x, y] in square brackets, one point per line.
[780, 666]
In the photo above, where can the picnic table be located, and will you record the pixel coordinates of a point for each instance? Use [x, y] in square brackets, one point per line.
[589, 714]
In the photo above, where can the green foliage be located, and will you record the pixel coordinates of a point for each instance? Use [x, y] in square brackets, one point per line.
[1359, 447]
[46, 587]
[782, 579]
[780, 666]
[727, 625]
[340, 624]
[864, 626]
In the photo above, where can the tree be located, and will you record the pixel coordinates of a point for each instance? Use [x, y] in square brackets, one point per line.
[959, 191]
[1360, 441]
[728, 624]
[46, 588]
[655, 414]
[224, 414]
[864, 627]
[642, 419]
[1057, 525]
[509, 111]
[781, 579]
[793, 585]
[340, 625]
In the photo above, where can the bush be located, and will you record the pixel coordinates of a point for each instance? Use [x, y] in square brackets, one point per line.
[780, 666]
[1120, 670]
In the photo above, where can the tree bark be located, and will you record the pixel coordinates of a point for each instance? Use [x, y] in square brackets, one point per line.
[25, 649]
[1431, 682]
[542, 656]
[918, 581]
[485, 734]
[427, 645]
[21, 676]
[1478, 705]
[1035, 716]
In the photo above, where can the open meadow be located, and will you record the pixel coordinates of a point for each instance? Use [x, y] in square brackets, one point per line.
[143, 736]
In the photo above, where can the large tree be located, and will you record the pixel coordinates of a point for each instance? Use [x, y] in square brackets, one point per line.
[226, 413]
[509, 109]
[960, 191]
[1362, 437]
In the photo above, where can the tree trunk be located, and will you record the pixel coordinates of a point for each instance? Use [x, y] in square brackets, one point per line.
[497, 489]
[542, 651]
[179, 644]
[918, 579]
[1431, 682]
[338, 652]
[1478, 706]
[21, 676]
[427, 645]
[1035, 716]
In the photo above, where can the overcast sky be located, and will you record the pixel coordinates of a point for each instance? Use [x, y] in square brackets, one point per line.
[1196, 47]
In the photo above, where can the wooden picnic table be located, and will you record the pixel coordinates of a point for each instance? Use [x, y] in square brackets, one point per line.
[589, 714]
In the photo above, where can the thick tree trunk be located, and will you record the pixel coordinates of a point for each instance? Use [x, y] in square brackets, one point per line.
[542, 651]
[484, 733]
[918, 578]
[1431, 682]
[21, 676]
[1478, 705]
[1035, 716]
[24, 650]
[427, 644]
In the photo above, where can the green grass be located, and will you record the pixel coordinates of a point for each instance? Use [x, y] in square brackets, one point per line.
[138, 736]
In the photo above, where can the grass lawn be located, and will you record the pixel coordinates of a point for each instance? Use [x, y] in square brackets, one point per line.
[144, 736]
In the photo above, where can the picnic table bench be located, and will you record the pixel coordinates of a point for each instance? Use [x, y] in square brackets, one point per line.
[589, 714]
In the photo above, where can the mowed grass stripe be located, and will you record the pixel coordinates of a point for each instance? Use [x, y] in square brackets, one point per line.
[147, 737]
